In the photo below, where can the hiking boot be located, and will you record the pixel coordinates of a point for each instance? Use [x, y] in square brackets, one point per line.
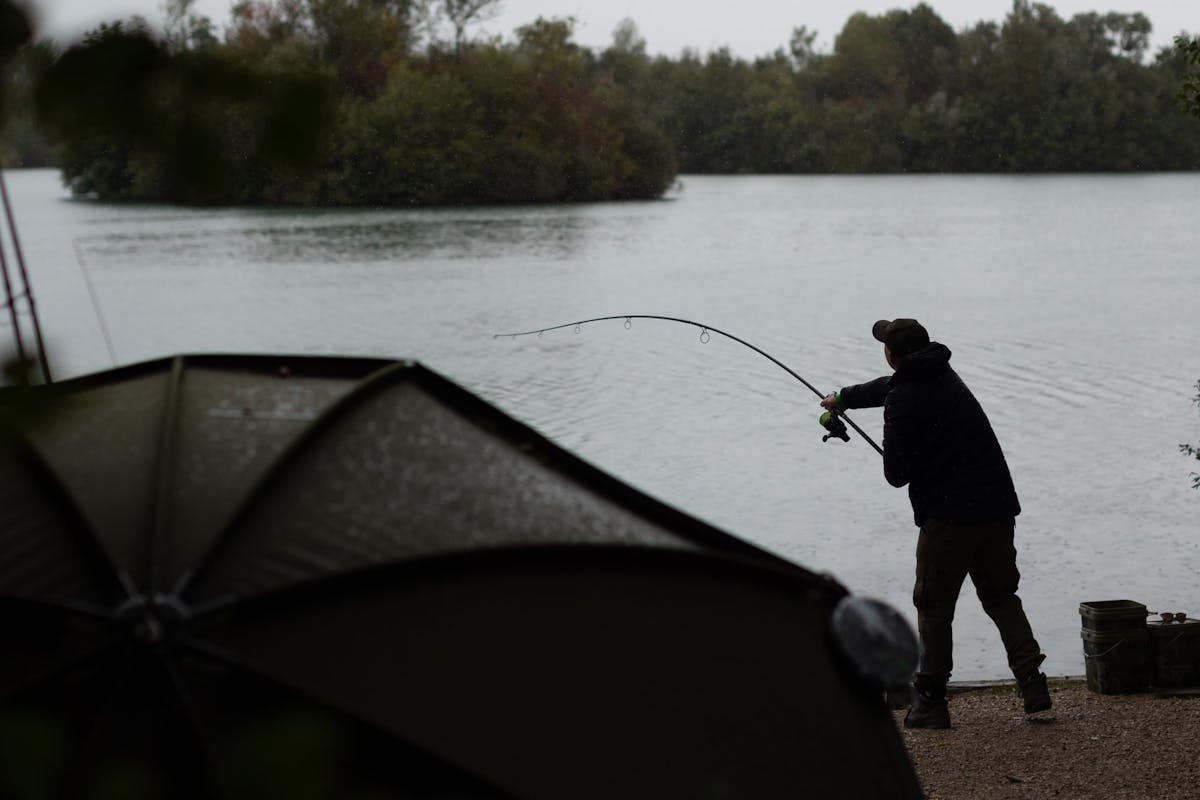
[928, 710]
[1034, 692]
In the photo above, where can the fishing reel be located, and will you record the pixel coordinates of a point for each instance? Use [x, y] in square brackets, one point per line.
[832, 422]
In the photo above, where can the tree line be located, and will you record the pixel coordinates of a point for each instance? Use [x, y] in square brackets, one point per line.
[390, 102]
[332, 102]
[903, 92]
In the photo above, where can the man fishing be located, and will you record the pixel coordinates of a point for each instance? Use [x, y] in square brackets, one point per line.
[938, 441]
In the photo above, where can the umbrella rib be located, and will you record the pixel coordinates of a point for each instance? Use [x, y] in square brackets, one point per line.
[164, 470]
[65, 667]
[516, 433]
[74, 778]
[45, 474]
[761, 569]
[74, 782]
[186, 704]
[380, 379]
[225, 657]
[508, 429]
[80, 609]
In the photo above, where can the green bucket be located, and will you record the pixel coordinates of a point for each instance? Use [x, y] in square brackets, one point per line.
[1116, 646]
[1176, 650]
[1112, 615]
[1117, 662]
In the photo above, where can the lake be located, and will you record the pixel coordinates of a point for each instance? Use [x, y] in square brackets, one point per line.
[1071, 304]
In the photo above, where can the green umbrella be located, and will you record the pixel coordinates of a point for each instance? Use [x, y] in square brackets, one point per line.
[247, 575]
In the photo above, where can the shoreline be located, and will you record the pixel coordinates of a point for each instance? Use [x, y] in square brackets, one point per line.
[1089, 746]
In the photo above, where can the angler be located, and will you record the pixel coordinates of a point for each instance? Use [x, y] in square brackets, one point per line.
[937, 440]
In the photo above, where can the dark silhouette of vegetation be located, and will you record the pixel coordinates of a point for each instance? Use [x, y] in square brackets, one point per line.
[22, 141]
[327, 102]
[902, 92]
[1189, 93]
[362, 102]
[1189, 98]
[1193, 450]
[19, 142]
[136, 121]
[15, 33]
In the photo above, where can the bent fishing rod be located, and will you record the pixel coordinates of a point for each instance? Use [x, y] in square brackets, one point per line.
[831, 421]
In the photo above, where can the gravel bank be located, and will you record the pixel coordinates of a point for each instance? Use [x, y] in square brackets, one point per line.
[1115, 747]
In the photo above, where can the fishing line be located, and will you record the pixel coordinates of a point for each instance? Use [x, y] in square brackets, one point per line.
[705, 336]
[87, 279]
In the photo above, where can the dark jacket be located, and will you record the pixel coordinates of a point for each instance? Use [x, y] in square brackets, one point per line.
[937, 440]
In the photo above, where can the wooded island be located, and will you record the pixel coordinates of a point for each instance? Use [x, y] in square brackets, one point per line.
[391, 102]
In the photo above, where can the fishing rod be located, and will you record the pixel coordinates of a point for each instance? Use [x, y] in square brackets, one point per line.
[26, 292]
[830, 420]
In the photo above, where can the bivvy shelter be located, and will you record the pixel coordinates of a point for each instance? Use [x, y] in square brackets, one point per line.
[229, 576]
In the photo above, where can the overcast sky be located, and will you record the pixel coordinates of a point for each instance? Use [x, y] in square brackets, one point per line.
[748, 27]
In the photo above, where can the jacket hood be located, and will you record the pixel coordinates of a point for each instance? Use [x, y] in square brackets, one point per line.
[929, 360]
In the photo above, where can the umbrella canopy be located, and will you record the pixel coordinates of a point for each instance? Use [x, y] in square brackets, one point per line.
[223, 574]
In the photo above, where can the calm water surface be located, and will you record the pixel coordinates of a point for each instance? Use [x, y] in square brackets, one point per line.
[1070, 303]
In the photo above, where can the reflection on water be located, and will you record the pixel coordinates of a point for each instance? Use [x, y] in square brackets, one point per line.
[335, 237]
[414, 237]
[1069, 303]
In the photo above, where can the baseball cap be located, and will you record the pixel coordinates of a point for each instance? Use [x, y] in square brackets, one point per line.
[902, 336]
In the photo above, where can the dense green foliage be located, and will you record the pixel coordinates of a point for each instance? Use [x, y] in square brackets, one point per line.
[902, 92]
[1189, 94]
[362, 102]
[326, 102]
